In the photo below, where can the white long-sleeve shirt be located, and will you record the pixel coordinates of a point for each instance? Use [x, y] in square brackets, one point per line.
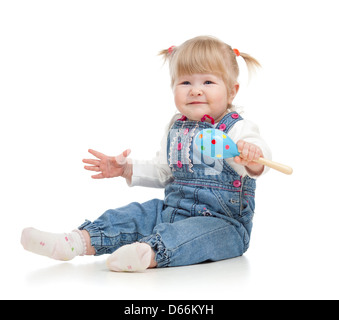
[156, 173]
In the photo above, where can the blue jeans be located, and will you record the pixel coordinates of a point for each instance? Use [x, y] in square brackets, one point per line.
[181, 241]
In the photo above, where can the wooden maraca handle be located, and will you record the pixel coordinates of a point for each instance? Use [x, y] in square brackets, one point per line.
[275, 165]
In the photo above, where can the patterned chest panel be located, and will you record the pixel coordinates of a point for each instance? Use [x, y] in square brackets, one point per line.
[180, 148]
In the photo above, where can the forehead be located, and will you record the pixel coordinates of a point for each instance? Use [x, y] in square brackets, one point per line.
[200, 57]
[200, 76]
[194, 65]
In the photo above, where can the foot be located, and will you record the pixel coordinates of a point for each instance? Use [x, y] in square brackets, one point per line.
[131, 258]
[59, 246]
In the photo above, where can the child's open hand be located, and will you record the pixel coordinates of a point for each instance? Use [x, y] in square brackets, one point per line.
[249, 153]
[109, 167]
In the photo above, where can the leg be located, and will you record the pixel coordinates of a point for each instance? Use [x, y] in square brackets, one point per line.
[194, 240]
[189, 241]
[153, 263]
[112, 230]
[90, 250]
[122, 226]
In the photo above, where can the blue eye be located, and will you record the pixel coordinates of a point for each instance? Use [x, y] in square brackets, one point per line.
[208, 82]
[185, 82]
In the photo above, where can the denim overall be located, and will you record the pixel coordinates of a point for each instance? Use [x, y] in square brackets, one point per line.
[206, 214]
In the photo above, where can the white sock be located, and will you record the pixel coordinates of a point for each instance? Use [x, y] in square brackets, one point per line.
[132, 257]
[59, 246]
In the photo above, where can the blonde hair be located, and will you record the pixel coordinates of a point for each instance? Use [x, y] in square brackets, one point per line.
[206, 54]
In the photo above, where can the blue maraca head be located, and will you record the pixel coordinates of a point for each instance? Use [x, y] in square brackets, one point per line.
[215, 144]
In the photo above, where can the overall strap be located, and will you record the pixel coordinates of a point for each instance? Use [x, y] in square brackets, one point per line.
[228, 121]
[225, 124]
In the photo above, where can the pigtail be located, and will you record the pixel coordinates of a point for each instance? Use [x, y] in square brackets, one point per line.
[252, 63]
[167, 52]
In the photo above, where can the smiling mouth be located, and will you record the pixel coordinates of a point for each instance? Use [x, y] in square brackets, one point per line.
[197, 102]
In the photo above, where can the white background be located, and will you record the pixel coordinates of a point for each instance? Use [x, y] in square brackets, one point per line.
[85, 74]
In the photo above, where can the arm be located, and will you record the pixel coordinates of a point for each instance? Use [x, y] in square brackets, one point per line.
[153, 173]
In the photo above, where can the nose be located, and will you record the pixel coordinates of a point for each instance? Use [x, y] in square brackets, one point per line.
[195, 91]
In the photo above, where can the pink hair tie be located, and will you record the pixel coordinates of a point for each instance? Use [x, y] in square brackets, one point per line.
[170, 49]
[236, 51]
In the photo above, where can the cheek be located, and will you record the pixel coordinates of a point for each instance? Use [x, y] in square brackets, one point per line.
[220, 99]
[179, 97]
[176, 101]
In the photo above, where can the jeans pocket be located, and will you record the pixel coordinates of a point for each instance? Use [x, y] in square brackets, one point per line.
[247, 206]
[247, 202]
[229, 202]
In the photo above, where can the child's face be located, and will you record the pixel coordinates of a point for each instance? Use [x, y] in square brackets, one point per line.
[199, 94]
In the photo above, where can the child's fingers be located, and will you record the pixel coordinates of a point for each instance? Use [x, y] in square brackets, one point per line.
[126, 153]
[97, 154]
[239, 160]
[251, 152]
[258, 154]
[92, 168]
[244, 150]
[98, 176]
[121, 159]
[91, 161]
[254, 153]
[240, 145]
[248, 151]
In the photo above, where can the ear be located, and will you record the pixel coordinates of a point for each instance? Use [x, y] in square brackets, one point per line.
[233, 93]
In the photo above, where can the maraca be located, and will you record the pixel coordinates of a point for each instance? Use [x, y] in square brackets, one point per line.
[218, 145]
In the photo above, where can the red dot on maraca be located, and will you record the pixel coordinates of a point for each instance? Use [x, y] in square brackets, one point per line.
[213, 141]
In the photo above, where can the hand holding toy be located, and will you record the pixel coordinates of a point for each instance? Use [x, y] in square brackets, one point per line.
[218, 145]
